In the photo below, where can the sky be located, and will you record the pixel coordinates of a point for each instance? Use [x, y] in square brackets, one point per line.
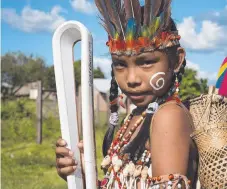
[28, 26]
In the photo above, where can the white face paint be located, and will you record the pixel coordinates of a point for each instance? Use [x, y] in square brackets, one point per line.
[159, 83]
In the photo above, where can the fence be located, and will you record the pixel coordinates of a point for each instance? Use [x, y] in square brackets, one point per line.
[46, 104]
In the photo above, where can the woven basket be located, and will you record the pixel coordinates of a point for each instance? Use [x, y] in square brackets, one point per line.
[209, 114]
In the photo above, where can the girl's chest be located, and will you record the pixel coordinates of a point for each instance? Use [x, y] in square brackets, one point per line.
[132, 131]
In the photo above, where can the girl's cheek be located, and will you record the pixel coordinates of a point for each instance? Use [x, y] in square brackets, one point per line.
[157, 81]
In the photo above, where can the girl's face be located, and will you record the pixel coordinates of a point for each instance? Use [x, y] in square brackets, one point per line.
[144, 77]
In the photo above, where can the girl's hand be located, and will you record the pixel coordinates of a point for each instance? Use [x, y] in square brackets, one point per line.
[65, 162]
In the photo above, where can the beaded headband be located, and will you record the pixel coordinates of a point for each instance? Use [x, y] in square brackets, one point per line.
[132, 31]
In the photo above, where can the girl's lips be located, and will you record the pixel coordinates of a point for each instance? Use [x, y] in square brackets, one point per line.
[136, 97]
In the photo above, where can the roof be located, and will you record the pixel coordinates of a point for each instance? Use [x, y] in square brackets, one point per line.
[102, 85]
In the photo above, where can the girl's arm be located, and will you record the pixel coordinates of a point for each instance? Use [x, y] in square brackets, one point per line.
[170, 142]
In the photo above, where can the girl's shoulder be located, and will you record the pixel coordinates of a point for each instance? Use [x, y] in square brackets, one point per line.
[170, 139]
[173, 114]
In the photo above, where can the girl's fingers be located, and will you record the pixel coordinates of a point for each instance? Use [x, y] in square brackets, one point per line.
[61, 143]
[63, 152]
[65, 162]
[81, 146]
[66, 170]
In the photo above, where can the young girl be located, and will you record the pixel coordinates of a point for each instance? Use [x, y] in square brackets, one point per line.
[152, 148]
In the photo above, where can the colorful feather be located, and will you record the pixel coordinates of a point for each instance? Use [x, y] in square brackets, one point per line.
[119, 16]
[167, 13]
[164, 14]
[156, 17]
[122, 20]
[137, 12]
[113, 8]
[106, 17]
[222, 79]
[147, 13]
[156, 7]
[133, 10]
[155, 27]
[128, 9]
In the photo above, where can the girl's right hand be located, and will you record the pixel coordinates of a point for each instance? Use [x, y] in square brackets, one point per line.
[65, 162]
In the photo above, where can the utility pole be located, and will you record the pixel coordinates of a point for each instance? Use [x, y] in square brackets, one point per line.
[39, 113]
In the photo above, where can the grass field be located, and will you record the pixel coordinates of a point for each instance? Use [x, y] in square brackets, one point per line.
[25, 164]
[32, 166]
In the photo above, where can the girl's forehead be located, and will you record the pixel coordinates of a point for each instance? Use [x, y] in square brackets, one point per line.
[152, 54]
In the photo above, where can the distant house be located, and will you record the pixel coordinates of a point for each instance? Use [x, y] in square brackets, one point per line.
[30, 90]
[24, 91]
[101, 95]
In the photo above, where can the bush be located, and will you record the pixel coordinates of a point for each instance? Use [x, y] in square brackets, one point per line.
[18, 121]
[25, 164]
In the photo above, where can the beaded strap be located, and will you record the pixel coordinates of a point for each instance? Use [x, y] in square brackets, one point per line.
[171, 181]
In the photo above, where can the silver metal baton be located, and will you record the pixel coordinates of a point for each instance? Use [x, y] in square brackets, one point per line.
[64, 40]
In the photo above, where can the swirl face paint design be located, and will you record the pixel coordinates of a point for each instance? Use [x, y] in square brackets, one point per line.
[159, 83]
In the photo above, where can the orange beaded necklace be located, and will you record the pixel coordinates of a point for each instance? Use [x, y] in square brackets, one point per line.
[121, 141]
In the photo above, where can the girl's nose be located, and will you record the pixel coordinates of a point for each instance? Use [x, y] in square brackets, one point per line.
[133, 79]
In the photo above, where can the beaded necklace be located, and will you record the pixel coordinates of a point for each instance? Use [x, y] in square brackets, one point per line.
[119, 159]
[121, 172]
[121, 141]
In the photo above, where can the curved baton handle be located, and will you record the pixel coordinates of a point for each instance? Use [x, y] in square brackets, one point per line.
[64, 39]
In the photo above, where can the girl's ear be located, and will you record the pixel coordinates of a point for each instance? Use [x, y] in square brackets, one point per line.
[181, 57]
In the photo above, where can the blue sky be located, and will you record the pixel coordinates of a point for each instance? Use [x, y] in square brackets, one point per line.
[28, 26]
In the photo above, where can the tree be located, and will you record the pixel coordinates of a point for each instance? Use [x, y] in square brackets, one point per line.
[191, 86]
[19, 69]
[49, 79]
[98, 73]
[77, 73]
[77, 70]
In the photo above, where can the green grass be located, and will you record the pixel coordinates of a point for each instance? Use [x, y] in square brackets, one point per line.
[29, 165]
[25, 164]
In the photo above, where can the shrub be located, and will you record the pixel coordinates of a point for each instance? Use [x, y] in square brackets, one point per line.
[18, 121]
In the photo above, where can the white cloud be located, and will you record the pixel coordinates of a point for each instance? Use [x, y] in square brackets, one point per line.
[219, 17]
[33, 20]
[206, 32]
[217, 14]
[211, 76]
[104, 64]
[210, 37]
[83, 6]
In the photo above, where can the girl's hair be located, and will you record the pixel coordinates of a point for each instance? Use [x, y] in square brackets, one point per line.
[113, 108]
[144, 133]
[173, 55]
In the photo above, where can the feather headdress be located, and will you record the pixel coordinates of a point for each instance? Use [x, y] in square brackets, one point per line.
[132, 31]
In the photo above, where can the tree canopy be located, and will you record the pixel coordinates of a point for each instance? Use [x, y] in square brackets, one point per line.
[19, 69]
[192, 86]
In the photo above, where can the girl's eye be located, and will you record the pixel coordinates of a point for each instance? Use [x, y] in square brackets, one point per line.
[119, 65]
[146, 64]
